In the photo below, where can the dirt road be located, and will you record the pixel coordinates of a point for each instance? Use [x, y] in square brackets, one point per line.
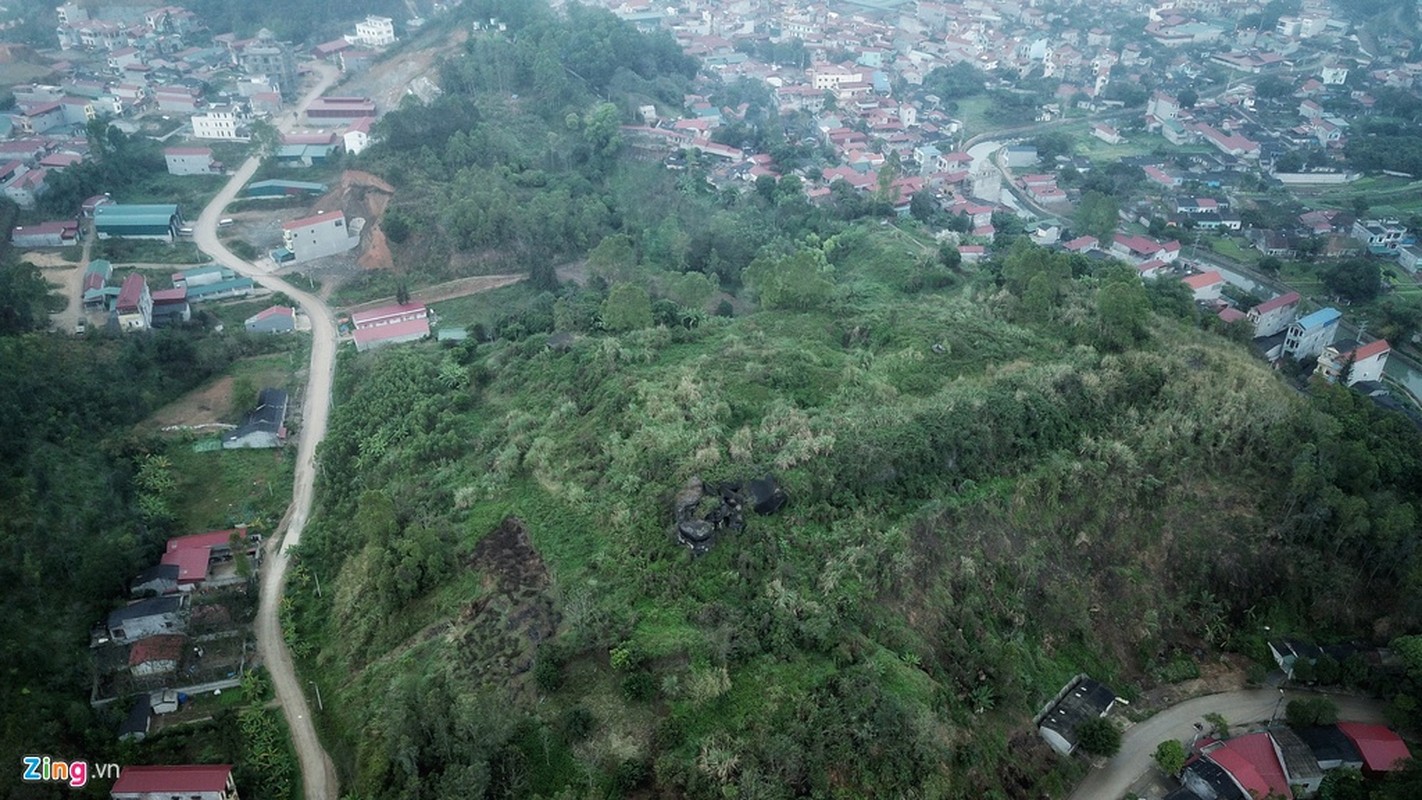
[318, 776]
[1178, 722]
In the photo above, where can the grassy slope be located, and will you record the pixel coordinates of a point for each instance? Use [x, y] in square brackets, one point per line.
[931, 584]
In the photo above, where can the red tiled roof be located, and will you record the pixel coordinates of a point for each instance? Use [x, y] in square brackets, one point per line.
[312, 220]
[1204, 279]
[132, 290]
[1288, 298]
[187, 151]
[1371, 349]
[191, 563]
[170, 295]
[360, 318]
[178, 780]
[394, 330]
[274, 311]
[1232, 315]
[167, 647]
[1381, 748]
[209, 539]
[1251, 760]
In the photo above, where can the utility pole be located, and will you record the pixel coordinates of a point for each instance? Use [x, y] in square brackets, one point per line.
[319, 705]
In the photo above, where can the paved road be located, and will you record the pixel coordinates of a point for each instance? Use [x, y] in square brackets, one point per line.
[318, 776]
[1178, 722]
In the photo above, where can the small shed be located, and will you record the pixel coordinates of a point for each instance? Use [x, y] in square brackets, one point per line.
[1082, 699]
[135, 725]
[265, 425]
[277, 319]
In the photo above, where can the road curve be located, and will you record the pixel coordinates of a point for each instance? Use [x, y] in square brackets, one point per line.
[1247, 706]
[318, 775]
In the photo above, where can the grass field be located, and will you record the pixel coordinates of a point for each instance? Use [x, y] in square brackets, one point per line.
[484, 308]
[222, 488]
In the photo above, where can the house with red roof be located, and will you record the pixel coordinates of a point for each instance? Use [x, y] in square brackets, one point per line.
[1381, 748]
[317, 236]
[156, 655]
[135, 303]
[1206, 286]
[1274, 315]
[45, 234]
[1143, 248]
[196, 555]
[390, 324]
[189, 781]
[1082, 244]
[1253, 765]
[1361, 362]
[277, 319]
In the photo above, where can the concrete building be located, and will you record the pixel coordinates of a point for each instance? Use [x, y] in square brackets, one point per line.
[340, 109]
[374, 31]
[190, 161]
[357, 136]
[317, 236]
[190, 782]
[1308, 336]
[391, 324]
[277, 319]
[137, 221]
[147, 618]
[221, 124]
[1274, 315]
[45, 234]
[135, 304]
[272, 59]
[1361, 362]
[170, 307]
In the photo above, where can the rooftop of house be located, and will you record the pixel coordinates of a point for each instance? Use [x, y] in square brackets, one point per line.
[1251, 760]
[1216, 778]
[1328, 743]
[164, 647]
[1088, 699]
[178, 295]
[1381, 748]
[360, 318]
[176, 780]
[1204, 279]
[132, 290]
[151, 607]
[270, 313]
[1319, 319]
[394, 330]
[116, 214]
[315, 219]
[1299, 763]
[1274, 303]
[1371, 349]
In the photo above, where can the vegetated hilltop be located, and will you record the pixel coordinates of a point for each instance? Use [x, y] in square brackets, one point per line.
[999, 477]
[986, 499]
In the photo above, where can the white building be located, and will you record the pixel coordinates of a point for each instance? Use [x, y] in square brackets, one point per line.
[375, 31]
[314, 237]
[189, 160]
[1309, 335]
[357, 136]
[1367, 361]
[1274, 315]
[221, 124]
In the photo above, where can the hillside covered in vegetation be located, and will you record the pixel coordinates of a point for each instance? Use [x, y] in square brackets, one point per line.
[999, 476]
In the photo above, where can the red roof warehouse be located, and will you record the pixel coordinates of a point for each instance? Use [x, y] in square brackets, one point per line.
[204, 781]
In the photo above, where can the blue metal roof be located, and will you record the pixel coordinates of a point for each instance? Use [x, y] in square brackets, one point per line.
[1320, 318]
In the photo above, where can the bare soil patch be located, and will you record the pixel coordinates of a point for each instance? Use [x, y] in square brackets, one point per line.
[502, 629]
[203, 406]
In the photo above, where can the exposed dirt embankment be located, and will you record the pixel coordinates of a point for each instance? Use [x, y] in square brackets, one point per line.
[361, 194]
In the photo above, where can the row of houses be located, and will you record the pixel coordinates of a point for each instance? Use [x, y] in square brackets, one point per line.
[1285, 763]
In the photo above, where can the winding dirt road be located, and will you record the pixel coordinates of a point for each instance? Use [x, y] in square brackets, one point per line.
[318, 775]
[1178, 722]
